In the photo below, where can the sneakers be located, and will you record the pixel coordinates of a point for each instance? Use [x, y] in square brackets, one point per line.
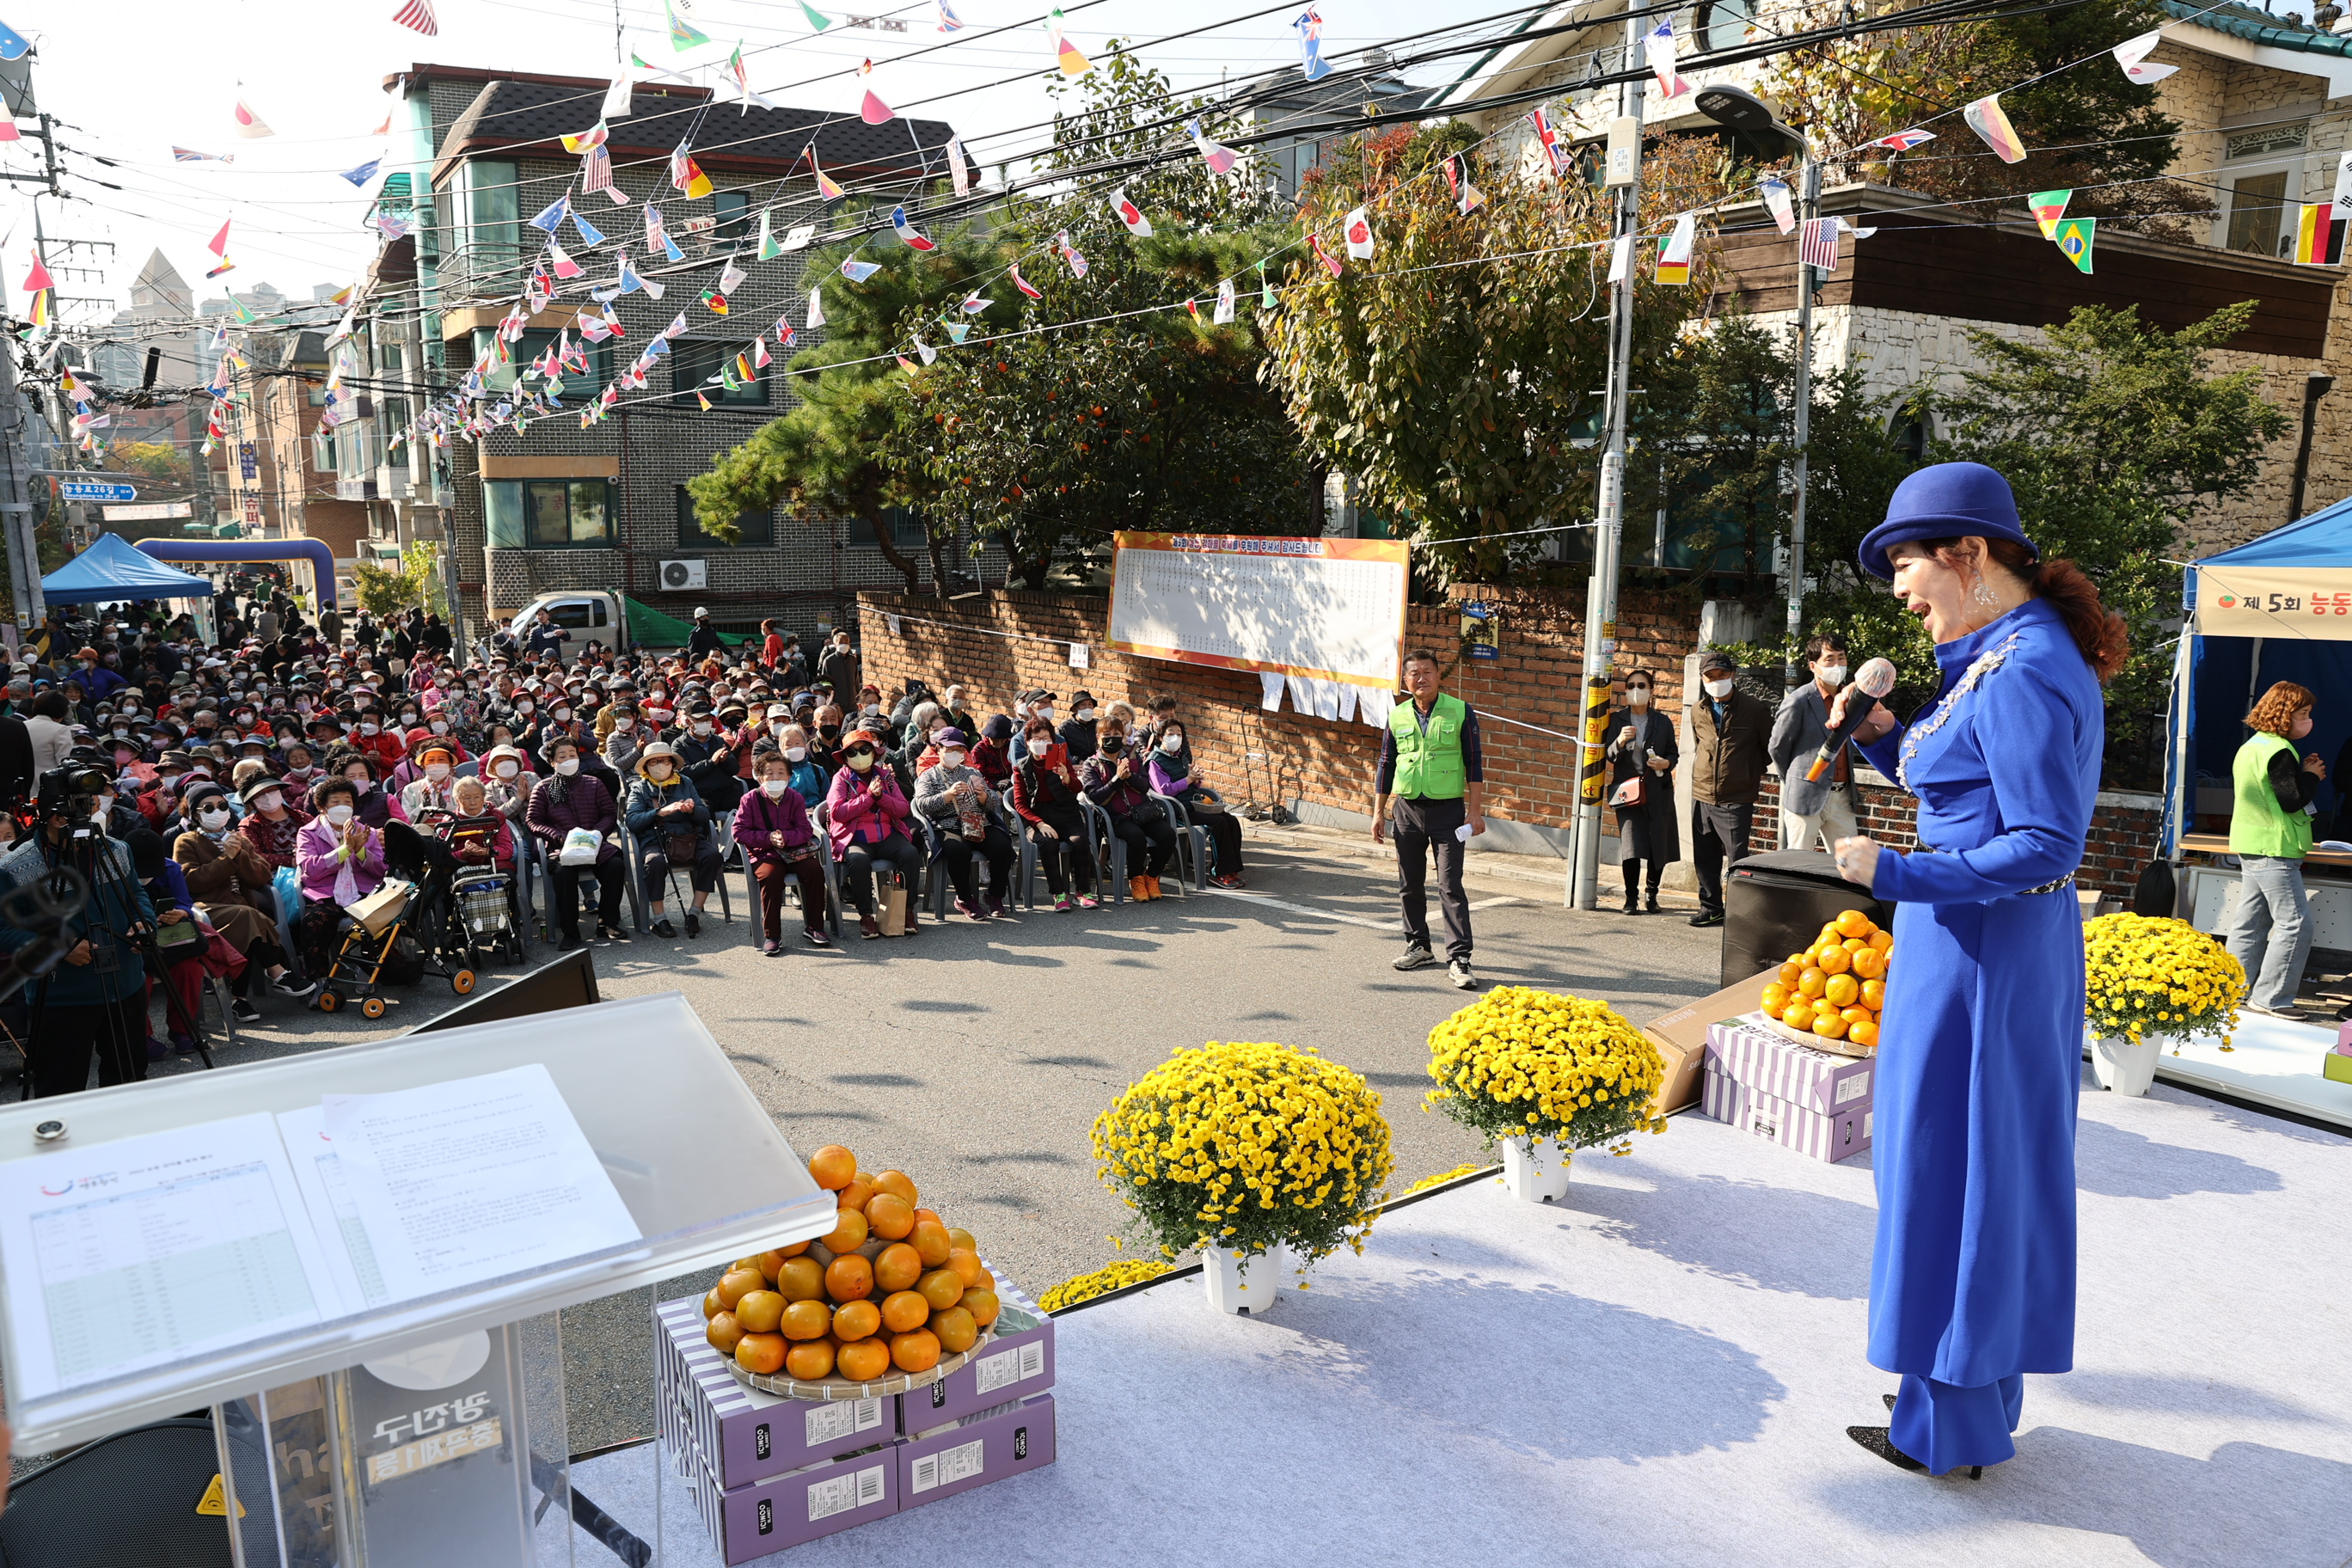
[814, 936]
[1459, 972]
[243, 1011]
[1062, 905]
[2289, 1015]
[971, 910]
[1227, 882]
[1159, 886]
[1707, 918]
[996, 906]
[911, 926]
[869, 928]
[574, 945]
[1089, 901]
[666, 932]
[183, 1043]
[1416, 958]
[611, 933]
[693, 922]
[287, 986]
[1142, 889]
[770, 948]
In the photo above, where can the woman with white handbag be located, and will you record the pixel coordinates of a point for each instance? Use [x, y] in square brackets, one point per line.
[1641, 755]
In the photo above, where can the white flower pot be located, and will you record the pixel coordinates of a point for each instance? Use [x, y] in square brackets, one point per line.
[1238, 1284]
[1535, 1170]
[2122, 1067]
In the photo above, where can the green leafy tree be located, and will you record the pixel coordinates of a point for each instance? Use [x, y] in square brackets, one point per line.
[827, 457]
[2091, 128]
[1455, 388]
[2113, 434]
[157, 461]
[415, 581]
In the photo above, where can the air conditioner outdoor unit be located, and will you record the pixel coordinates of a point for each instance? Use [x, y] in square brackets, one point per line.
[678, 576]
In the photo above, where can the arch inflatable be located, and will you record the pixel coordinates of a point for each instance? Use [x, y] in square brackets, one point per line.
[315, 551]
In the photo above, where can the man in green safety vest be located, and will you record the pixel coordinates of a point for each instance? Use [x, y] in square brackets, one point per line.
[1432, 771]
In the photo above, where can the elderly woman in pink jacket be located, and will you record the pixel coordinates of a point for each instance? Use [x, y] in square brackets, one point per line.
[340, 861]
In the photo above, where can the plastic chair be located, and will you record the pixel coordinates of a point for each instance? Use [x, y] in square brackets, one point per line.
[1192, 842]
[1104, 844]
[821, 816]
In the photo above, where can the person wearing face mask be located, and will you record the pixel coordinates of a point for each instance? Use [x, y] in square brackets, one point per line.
[955, 712]
[779, 844]
[1822, 807]
[710, 762]
[1642, 746]
[625, 737]
[2276, 795]
[340, 859]
[507, 778]
[572, 797]
[430, 790]
[1046, 797]
[671, 823]
[357, 769]
[1079, 731]
[957, 801]
[825, 740]
[808, 779]
[270, 821]
[837, 667]
[1731, 742]
[867, 813]
[1114, 779]
[232, 884]
[1170, 768]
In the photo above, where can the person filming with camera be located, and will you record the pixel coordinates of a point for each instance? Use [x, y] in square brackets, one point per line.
[94, 1002]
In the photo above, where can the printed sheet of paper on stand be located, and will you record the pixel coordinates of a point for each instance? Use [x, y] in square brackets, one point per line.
[152, 1250]
[476, 1179]
[334, 1211]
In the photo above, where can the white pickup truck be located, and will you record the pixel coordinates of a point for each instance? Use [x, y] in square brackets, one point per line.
[588, 616]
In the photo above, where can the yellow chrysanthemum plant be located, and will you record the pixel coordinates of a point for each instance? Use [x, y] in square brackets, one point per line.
[1522, 1063]
[2156, 977]
[1247, 1146]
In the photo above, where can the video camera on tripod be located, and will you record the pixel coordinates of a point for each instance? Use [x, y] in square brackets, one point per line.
[48, 904]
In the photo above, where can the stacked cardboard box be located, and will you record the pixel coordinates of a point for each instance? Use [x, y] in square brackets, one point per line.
[1816, 1102]
[768, 1472]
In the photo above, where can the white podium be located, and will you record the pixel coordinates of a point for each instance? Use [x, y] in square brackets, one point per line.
[429, 1430]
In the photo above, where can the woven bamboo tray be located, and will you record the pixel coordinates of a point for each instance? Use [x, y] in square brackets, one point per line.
[1807, 1037]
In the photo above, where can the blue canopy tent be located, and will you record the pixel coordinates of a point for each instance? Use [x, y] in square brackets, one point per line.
[111, 568]
[2276, 608]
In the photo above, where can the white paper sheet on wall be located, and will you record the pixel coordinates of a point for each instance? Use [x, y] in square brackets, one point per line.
[1270, 690]
[1302, 693]
[1347, 701]
[1327, 698]
[1374, 705]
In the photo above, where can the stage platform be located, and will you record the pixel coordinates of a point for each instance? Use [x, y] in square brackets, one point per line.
[1660, 1372]
[2274, 1063]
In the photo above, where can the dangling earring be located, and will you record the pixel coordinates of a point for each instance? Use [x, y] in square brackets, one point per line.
[1982, 592]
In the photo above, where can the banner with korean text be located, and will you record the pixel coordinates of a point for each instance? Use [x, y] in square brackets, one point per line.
[1329, 608]
[2274, 602]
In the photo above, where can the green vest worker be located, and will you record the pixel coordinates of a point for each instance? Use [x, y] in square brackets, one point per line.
[1430, 769]
[2270, 833]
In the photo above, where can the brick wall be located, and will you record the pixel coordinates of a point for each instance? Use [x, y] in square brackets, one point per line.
[1011, 641]
[2124, 831]
[1286, 755]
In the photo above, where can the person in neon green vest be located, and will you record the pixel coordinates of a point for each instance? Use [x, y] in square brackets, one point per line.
[1434, 773]
[2270, 833]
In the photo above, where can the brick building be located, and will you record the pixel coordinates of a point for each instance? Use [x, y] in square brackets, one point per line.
[605, 507]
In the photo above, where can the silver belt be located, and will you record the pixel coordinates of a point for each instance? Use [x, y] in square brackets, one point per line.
[2064, 881]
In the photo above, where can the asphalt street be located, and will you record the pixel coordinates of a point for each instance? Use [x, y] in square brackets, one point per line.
[976, 1056]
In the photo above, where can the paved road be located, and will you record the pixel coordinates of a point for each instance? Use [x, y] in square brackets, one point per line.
[975, 1057]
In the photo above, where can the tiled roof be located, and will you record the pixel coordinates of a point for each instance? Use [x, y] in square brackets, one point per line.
[512, 114]
[2261, 27]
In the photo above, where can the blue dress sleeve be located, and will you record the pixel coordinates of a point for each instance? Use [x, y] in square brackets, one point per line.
[2039, 798]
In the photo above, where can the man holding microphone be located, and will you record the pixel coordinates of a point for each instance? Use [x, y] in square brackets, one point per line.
[1431, 767]
[1810, 806]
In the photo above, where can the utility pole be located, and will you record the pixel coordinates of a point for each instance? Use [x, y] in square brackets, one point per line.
[1601, 601]
[18, 513]
[1808, 203]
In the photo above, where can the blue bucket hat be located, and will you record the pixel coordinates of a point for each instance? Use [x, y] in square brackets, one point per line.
[1945, 500]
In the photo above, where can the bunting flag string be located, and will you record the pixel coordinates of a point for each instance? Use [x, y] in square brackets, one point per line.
[1356, 230]
[1226, 303]
[620, 99]
[827, 188]
[1556, 156]
[872, 110]
[815, 309]
[905, 231]
[1220, 158]
[1331, 262]
[1130, 214]
[1674, 251]
[949, 21]
[1775, 192]
[686, 175]
[1026, 288]
[1065, 53]
[958, 166]
[1903, 140]
[858, 271]
[190, 156]
[2074, 237]
[2132, 54]
[658, 235]
[1311, 63]
[2048, 207]
[360, 176]
[745, 97]
[683, 34]
[594, 136]
[1658, 49]
[250, 125]
[596, 174]
[816, 18]
[1467, 197]
[418, 15]
[1986, 117]
[1069, 254]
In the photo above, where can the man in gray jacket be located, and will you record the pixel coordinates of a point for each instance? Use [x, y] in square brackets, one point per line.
[1824, 807]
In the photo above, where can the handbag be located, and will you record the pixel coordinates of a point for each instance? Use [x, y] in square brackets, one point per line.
[679, 847]
[892, 913]
[1634, 794]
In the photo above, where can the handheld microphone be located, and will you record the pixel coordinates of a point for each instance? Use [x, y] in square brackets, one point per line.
[1874, 680]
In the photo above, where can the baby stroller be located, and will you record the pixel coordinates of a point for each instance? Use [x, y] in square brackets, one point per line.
[417, 891]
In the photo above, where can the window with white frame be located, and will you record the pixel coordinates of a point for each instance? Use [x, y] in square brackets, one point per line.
[2261, 179]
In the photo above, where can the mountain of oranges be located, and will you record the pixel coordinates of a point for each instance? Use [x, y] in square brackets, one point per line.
[1835, 989]
[892, 1285]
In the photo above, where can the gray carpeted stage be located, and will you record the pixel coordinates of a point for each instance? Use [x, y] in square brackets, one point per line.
[1662, 1373]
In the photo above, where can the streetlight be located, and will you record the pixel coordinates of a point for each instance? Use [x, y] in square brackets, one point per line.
[1759, 130]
